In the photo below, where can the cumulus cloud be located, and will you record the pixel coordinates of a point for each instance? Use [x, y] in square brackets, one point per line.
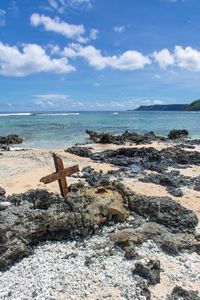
[31, 59]
[164, 58]
[119, 29]
[61, 5]
[58, 26]
[129, 60]
[187, 58]
[2, 17]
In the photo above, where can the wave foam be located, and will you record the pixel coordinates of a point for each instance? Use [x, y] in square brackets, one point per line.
[15, 114]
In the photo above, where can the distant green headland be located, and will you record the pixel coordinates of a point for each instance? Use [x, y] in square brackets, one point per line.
[194, 106]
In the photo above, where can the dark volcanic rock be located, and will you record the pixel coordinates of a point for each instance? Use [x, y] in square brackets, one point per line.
[92, 177]
[150, 271]
[2, 195]
[80, 151]
[40, 215]
[133, 137]
[2, 191]
[179, 293]
[162, 210]
[178, 134]
[173, 181]
[143, 158]
[10, 139]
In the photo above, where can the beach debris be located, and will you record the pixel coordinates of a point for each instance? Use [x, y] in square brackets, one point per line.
[60, 175]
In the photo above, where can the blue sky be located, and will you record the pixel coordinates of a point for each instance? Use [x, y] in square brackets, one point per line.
[98, 54]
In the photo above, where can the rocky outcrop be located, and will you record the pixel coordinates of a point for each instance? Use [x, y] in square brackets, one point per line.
[164, 211]
[134, 137]
[173, 181]
[80, 151]
[39, 215]
[10, 139]
[127, 136]
[178, 134]
[146, 158]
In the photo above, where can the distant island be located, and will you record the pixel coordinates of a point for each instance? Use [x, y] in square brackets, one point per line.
[194, 106]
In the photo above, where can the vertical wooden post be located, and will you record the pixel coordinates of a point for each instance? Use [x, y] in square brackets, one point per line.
[62, 181]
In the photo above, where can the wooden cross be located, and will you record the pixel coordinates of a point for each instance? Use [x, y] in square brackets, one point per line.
[60, 175]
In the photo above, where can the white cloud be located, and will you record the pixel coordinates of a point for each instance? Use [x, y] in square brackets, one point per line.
[61, 5]
[119, 29]
[31, 59]
[80, 3]
[58, 26]
[2, 17]
[187, 58]
[184, 58]
[129, 60]
[68, 30]
[93, 34]
[164, 58]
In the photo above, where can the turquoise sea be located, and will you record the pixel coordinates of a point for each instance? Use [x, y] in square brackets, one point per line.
[59, 130]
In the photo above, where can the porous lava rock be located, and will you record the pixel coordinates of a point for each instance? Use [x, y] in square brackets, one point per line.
[178, 134]
[38, 215]
[127, 136]
[10, 139]
[149, 271]
[179, 293]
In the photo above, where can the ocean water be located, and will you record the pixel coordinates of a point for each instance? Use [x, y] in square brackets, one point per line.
[59, 130]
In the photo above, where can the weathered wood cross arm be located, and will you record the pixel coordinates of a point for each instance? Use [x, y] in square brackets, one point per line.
[60, 175]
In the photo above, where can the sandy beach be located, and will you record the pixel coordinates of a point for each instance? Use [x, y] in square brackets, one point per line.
[22, 170]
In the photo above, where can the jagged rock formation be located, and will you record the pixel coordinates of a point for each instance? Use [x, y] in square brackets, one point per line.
[173, 181]
[127, 136]
[11, 139]
[148, 158]
[38, 215]
[178, 134]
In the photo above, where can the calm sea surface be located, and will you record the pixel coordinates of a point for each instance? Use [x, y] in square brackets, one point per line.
[58, 130]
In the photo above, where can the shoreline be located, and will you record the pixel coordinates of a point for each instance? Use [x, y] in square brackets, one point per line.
[22, 170]
[36, 163]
